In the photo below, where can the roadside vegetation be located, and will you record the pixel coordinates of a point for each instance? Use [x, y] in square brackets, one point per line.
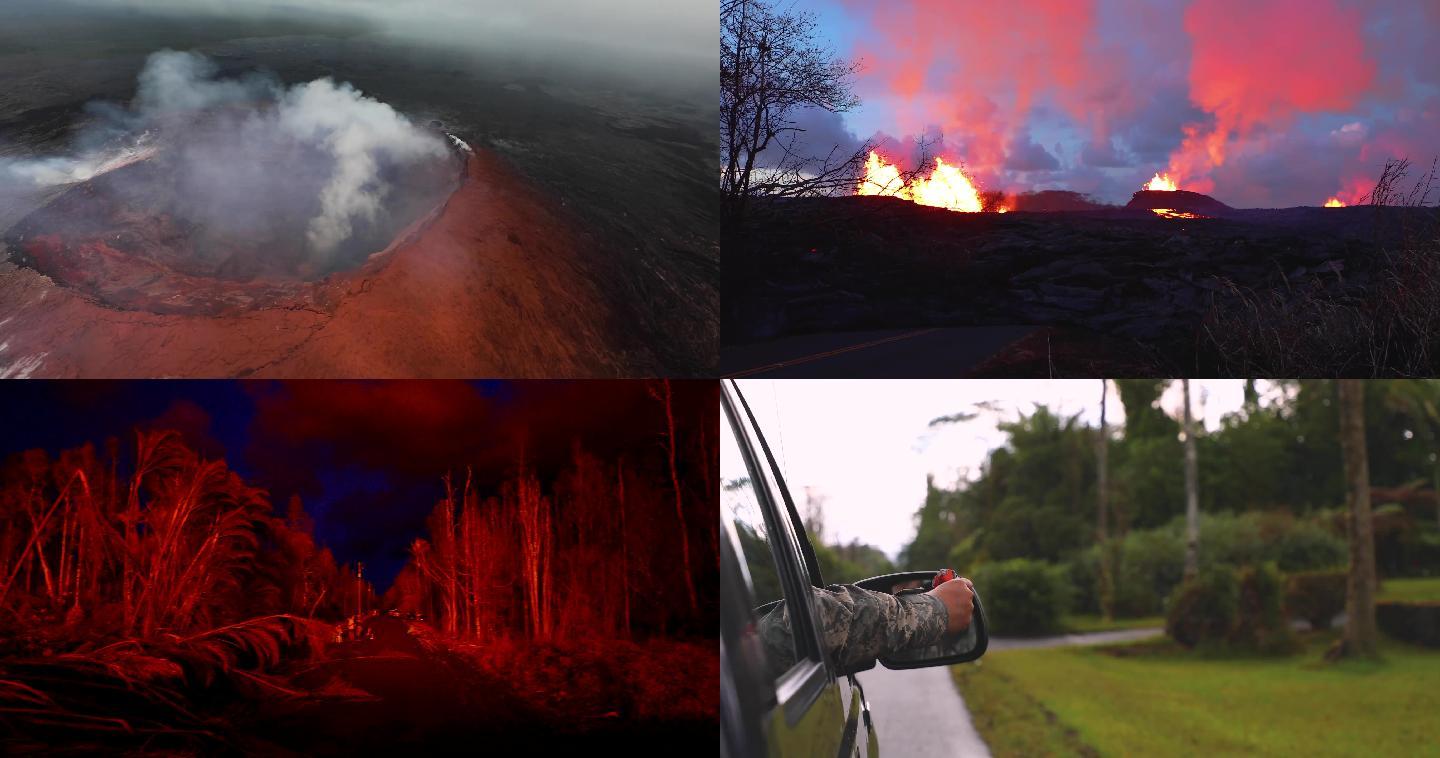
[1300, 588]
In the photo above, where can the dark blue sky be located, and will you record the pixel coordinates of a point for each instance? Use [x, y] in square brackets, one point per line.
[1303, 99]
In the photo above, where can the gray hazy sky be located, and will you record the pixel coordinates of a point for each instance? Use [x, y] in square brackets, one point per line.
[674, 28]
[866, 445]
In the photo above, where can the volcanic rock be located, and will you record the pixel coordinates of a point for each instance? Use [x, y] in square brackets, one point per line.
[455, 297]
[1179, 200]
[1116, 274]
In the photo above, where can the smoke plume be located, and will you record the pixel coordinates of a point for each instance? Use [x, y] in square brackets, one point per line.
[1258, 64]
[1263, 102]
[246, 151]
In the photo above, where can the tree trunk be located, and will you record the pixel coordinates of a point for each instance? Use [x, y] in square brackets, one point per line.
[664, 394]
[1102, 507]
[1192, 493]
[624, 542]
[1360, 635]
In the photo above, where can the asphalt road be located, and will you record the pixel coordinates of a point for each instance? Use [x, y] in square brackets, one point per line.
[929, 353]
[918, 712]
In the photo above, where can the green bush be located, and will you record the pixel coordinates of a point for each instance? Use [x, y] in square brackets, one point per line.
[1260, 623]
[1413, 622]
[1023, 596]
[1233, 539]
[1418, 553]
[1232, 609]
[1203, 609]
[1149, 563]
[1307, 547]
[1316, 596]
[1084, 572]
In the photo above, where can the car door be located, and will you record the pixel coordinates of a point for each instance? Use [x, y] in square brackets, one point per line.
[804, 709]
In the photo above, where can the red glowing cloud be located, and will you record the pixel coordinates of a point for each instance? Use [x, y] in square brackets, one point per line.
[1256, 64]
[975, 69]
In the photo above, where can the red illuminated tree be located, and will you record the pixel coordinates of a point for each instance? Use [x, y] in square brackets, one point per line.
[661, 390]
[179, 543]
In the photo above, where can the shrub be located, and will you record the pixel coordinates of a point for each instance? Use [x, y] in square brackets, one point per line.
[1418, 553]
[1149, 563]
[1316, 596]
[1417, 622]
[1228, 538]
[1260, 623]
[1023, 596]
[1084, 573]
[1203, 609]
[1148, 566]
[1307, 547]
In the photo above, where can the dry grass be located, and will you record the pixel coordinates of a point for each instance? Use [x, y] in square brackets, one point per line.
[1299, 329]
[144, 692]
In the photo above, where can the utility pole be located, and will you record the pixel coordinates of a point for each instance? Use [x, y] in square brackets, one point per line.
[359, 589]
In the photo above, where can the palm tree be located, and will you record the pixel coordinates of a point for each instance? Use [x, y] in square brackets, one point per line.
[1360, 636]
[1192, 492]
[1102, 507]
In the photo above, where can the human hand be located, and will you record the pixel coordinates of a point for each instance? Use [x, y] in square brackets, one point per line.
[958, 595]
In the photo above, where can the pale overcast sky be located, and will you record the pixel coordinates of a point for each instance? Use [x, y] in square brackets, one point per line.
[866, 445]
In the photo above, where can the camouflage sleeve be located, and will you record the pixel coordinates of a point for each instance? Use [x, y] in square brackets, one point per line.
[857, 626]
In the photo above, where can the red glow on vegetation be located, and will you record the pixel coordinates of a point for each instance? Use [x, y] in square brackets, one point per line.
[562, 595]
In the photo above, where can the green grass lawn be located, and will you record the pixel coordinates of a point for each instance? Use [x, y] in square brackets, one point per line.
[1426, 588]
[1166, 701]
[1081, 624]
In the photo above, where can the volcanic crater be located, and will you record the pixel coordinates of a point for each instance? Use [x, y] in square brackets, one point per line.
[163, 233]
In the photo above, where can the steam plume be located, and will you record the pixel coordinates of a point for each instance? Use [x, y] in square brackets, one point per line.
[247, 149]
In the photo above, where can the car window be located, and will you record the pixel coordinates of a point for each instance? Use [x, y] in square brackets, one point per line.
[739, 504]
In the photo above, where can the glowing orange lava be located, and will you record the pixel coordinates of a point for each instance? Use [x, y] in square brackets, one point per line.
[1161, 182]
[946, 187]
[1334, 202]
[1172, 213]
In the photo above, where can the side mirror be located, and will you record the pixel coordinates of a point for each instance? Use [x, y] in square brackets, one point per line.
[964, 647]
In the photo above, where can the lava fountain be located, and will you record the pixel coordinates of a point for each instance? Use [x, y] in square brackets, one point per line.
[1334, 202]
[1162, 183]
[947, 186]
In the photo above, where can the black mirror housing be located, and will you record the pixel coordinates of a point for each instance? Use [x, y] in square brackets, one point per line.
[962, 648]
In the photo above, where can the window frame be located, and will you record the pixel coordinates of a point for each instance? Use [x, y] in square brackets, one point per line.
[797, 689]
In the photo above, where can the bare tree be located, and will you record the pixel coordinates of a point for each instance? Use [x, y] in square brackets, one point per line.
[771, 69]
[1360, 635]
[1192, 492]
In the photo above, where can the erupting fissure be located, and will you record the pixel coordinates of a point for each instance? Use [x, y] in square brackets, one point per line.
[947, 186]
